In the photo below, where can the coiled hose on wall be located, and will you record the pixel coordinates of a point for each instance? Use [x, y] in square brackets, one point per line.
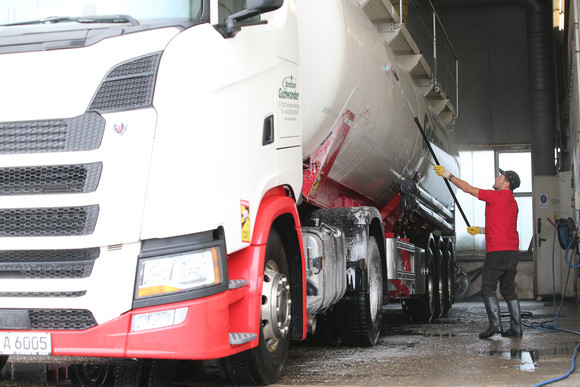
[566, 231]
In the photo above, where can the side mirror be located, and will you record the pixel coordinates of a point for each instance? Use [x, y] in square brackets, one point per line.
[253, 8]
[264, 5]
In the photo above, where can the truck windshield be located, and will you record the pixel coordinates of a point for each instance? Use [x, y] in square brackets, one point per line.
[35, 15]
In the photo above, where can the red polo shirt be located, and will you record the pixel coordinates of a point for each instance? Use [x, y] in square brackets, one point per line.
[501, 220]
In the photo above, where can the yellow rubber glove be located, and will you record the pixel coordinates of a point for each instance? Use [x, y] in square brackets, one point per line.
[473, 230]
[441, 171]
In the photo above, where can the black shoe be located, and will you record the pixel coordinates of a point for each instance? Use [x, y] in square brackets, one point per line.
[515, 319]
[490, 332]
[511, 333]
[493, 315]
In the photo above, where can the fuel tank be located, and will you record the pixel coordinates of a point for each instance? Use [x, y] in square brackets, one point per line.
[347, 67]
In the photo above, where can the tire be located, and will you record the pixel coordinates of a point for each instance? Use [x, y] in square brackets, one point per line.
[423, 308]
[264, 364]
[448, 276]
[359, 313]
[145, 373]
[326, 333]
[162, 373]
[90, 374]
[130, 374]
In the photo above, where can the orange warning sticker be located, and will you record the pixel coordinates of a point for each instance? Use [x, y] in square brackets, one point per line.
[245, 206]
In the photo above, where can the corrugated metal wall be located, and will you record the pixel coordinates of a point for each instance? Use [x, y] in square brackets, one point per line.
[491, 44]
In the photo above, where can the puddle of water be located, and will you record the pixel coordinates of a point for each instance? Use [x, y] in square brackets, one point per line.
[560, 349]
[527, 358]
[527, 361]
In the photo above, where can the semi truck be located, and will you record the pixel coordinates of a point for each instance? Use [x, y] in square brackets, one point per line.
[213, 179]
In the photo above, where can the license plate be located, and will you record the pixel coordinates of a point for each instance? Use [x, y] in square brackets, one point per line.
[25, 343]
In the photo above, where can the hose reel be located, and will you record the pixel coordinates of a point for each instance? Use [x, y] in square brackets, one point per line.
[566, 229]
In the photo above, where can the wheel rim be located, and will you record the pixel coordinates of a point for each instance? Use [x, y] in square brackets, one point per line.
[276, 302]
[92, 373]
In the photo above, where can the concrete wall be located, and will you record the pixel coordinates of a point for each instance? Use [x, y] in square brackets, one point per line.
[491, 45]
[474, 262]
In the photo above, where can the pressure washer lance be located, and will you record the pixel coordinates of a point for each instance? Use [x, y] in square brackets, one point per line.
[390, 68]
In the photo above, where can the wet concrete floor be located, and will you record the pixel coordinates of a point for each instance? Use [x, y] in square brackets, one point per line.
[448, 352]
[445, 353]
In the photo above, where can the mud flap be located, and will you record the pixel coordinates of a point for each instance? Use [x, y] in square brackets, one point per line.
[356, 278]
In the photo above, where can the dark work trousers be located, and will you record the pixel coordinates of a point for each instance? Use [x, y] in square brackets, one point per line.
[500, 266]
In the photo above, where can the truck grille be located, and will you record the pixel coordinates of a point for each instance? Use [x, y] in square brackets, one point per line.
[79, 293]
[46, 319]
[53, 264]
[80, 133]
[45, 270]
[61, 319]
[33, 222]
[50, 179]
[130, 85]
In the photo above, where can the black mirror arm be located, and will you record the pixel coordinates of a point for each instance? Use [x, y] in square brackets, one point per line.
[231, 27]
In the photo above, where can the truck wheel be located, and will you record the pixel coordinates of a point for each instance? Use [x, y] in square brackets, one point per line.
[449, 276]
[326, 333]
[90, 374]
[145, 373]
[162, 373]
[423, 308]
[263, 364]
[359, 313]
[461, 284]
[130, 374]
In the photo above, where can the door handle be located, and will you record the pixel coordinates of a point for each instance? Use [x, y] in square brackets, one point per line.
[541, 239]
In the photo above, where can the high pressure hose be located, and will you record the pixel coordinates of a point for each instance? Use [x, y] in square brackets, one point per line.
[566, 231]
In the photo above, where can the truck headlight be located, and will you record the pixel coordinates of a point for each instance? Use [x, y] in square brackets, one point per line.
[178, 272]
[181, 268]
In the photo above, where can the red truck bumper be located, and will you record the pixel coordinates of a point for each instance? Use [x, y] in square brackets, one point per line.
[203, 335]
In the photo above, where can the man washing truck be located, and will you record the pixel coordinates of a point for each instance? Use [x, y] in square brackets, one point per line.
[502, 245]
[211, 179]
